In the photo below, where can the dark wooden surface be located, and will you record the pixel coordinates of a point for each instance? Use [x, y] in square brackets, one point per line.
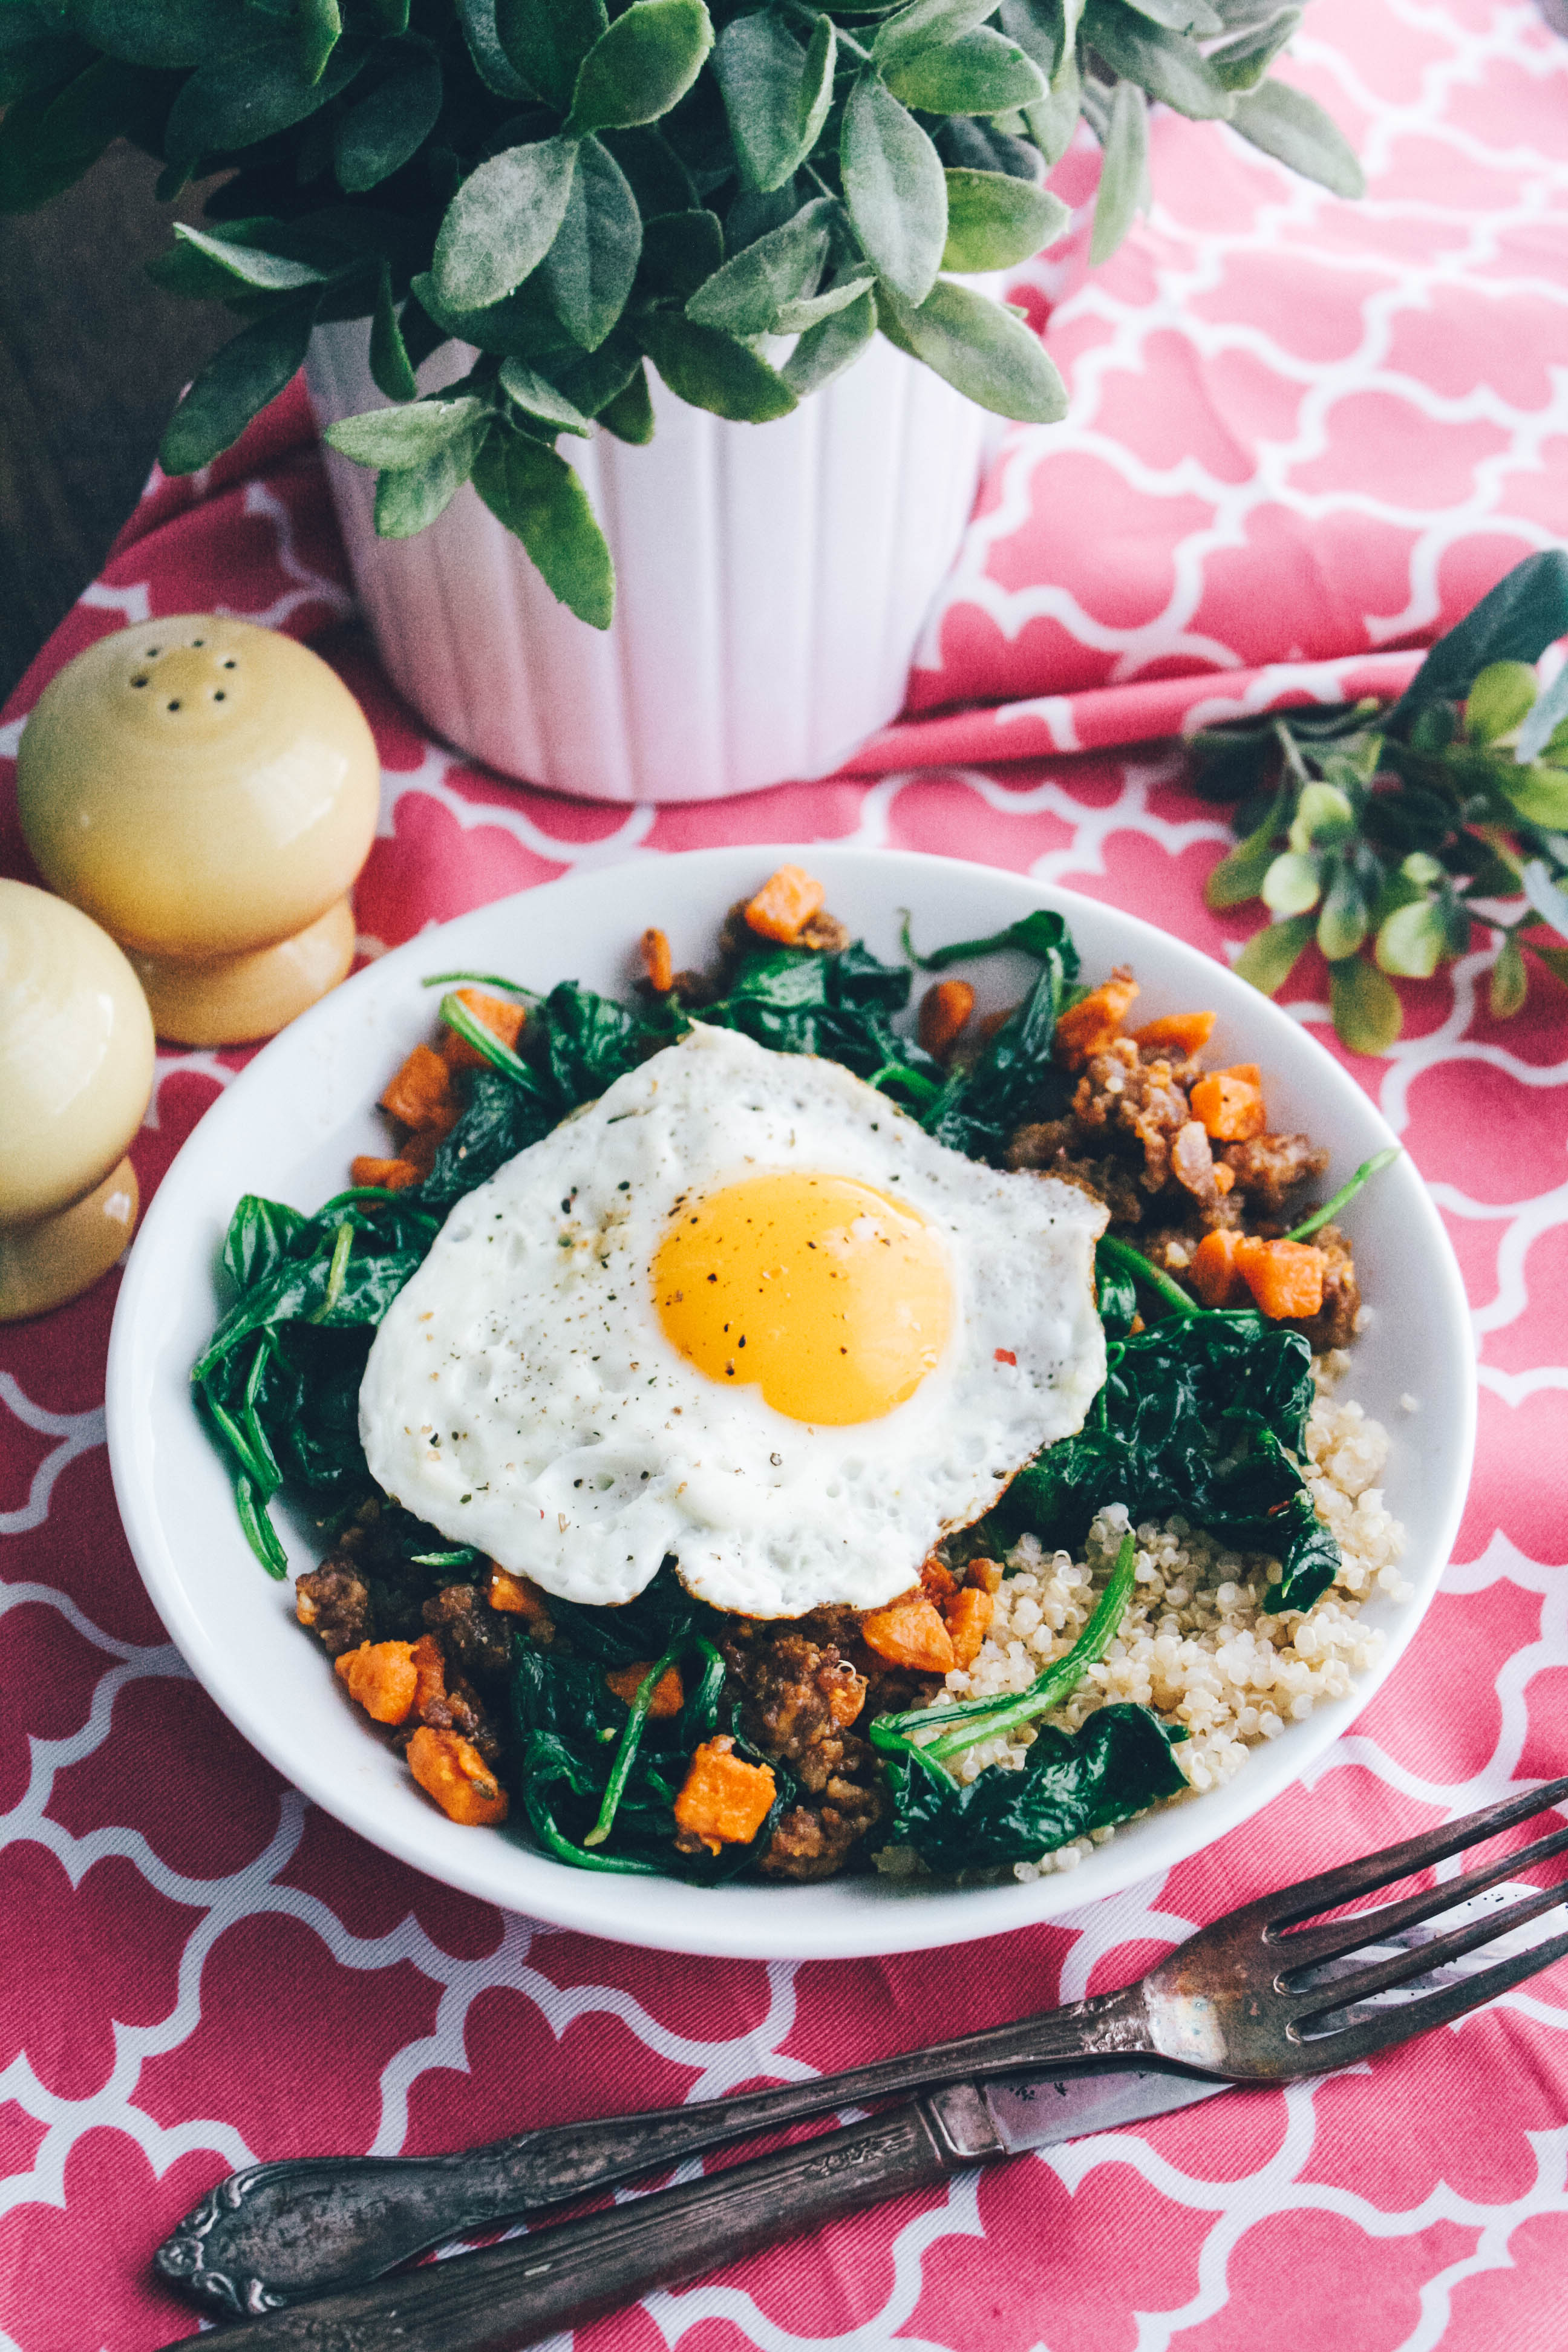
[92, 359]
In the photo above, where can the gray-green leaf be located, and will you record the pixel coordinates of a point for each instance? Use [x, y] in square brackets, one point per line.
[502, 222]
[1047, 29]
[237, 382]
[1365, 1006]
[382, 130]
[827, 349]
[1271, 955]
[1182, 15]
[776, 94]
[1123, 189]
[406, 437]
[984, 73]
[392, 371]
[1166, 65]
[636, 70]
[589, 270]
[547, 40]
[250, 93]
[539, 497]
[629, 416]
[162, 32]
[926, 24]
[800, 318]
[1243, 61]
[1240, 876]
[713, 371]
[746, 296]
[1293, 128]
[491, 63]
[409, 499]
[994, 220]
[981, 348]
[1509, 981]
[539, 398]
[1053, 120]
[896, 189]
[267, 272]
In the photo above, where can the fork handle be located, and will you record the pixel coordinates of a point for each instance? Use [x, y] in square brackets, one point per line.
[517, 2294]
[276, 2233]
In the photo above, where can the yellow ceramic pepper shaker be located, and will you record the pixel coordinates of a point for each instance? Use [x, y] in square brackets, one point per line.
[208, 790]
[76, 1071]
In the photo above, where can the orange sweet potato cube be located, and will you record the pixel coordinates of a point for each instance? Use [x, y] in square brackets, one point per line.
[1095, 1022]
[658, 962]
[945, 1013]
[1231, 1105]
[519, 1596]
[382, 1677]
[911, 1633]
[1183, 1033]
[669, 1696]
[1214, 1273]
[450, 1768]
[431, 1668]
[968, 1618]
[503, 1017]
[986, 1574]
[784, 905]
[421, 1093]
[724, 1801]
[1286, 1278]
[387, 1175]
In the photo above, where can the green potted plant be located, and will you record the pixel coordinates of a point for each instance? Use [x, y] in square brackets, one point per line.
[508, 238]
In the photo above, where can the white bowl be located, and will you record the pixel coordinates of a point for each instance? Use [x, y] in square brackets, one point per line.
[289, 1126]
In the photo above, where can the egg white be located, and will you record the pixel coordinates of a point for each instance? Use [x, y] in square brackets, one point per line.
[521, 1394]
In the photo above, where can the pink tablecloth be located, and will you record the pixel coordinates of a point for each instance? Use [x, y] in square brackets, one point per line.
[1305, 435]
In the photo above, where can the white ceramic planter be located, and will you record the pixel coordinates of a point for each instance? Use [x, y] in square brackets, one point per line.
[772, 581]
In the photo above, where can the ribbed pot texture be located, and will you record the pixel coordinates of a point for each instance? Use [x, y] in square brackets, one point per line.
[772, 584]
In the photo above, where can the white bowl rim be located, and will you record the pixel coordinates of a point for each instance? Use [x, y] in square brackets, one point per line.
[868, 1915]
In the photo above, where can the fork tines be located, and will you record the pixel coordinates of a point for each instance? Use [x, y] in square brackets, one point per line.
[1309, 1948]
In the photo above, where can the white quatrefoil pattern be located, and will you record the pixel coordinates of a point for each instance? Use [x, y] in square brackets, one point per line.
[1304, 437]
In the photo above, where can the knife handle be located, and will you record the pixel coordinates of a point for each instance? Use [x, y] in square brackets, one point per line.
[514, 2294]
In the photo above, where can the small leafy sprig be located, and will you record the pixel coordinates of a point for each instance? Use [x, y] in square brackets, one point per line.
[1385, 834]
[576, 188]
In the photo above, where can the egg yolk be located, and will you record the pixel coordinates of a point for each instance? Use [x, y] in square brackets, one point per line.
[833, 1298]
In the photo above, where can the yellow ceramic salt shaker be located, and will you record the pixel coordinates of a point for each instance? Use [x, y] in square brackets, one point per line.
[208, 790]
[76, 1071]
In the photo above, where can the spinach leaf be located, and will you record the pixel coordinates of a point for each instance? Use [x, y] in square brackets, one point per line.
[1043, 933]
[591, 1041]
[1015, 1079]
[1070, 1784]
[1204, 1415]
[1117, 1294]
[501, 1120]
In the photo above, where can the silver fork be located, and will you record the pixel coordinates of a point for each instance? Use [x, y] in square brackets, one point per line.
[1259, 1996]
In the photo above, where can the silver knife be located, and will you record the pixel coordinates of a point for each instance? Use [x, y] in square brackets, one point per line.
[1041, 2110]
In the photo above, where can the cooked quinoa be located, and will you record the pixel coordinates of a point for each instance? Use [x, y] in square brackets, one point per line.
[1195, 1644]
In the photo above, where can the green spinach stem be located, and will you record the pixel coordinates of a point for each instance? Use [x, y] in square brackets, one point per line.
[335, 1274]
[1369, 1168]
[1142, 1269]
[631, 1739]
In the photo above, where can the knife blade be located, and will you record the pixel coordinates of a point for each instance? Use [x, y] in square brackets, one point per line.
[1041, 2110]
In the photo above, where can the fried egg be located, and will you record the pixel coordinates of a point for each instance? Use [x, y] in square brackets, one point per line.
[744, 1313]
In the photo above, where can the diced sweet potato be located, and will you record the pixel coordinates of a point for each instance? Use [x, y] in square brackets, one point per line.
[945, 1013]
[1286, 1278]
[911, 1633]
[382, 1677]
[519, 1596]
[1182, 1033]
[723, 1800]
[1214, 1273]
[431, 1668]
[784, 905]
[388, 1175]
[419, 1149]
[450, 1768]
[1231, 1105]
[658, 962]
[421, 1093]
[1223, 1178]
[846, 1698]
[1095, 1022]
[503, 1017]
[669, 1696]
[985, 1574]
[968, 1618]
[937, 1582]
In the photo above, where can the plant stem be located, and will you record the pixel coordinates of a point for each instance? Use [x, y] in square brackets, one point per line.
[457, 1017]
[1142, 1269]
[335, 1272]
[631, 1739]
[1373, 1167]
